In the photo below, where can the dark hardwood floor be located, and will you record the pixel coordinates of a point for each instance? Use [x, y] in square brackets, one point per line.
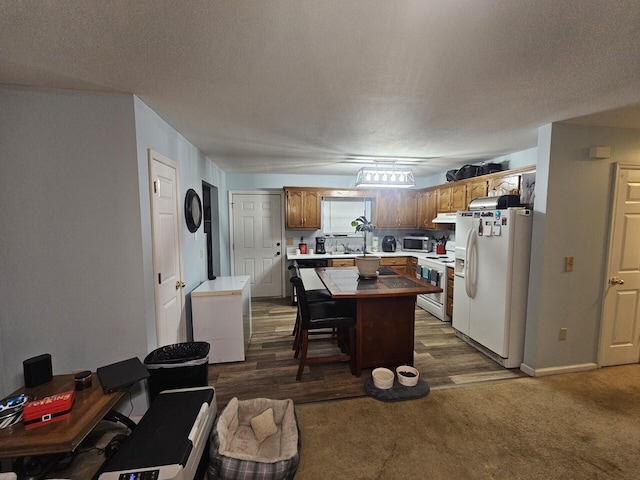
[269, 370]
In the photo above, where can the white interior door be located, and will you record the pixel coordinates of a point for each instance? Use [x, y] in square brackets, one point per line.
[620, 332]
[257, 241]
[167, 260]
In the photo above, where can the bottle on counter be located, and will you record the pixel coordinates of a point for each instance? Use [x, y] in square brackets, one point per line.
[302, 246]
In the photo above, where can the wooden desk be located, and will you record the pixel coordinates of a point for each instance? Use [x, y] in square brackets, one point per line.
[385, 317]
[90, 406]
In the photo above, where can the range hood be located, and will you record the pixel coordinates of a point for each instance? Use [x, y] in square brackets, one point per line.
[445, 218]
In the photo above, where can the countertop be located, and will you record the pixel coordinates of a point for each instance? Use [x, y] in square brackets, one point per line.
[221, 286]
[321, 256]
[397, 253]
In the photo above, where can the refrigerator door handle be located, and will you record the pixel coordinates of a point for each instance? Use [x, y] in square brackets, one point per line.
[470, 265]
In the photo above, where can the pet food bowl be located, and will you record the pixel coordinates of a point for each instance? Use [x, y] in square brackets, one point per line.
[382, 378]
[407, 376]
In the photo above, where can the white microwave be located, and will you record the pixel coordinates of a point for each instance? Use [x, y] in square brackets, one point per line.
[416, 244]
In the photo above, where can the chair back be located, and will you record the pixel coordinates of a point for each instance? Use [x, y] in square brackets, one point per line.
[303, 302]
[294, 269]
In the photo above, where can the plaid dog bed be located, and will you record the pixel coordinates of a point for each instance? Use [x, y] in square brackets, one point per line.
[236, 454]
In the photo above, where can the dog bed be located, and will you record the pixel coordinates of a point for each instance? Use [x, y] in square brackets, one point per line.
[257, 439]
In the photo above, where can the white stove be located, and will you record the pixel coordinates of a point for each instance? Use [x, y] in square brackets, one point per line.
[432, 268]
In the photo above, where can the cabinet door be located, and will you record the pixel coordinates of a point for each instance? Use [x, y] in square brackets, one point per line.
[407, 209]
[444, 199]
[458, 198]
[476, 190]
[452, 198]
[427, 209]
[302, 210]
[396, 209]
[312, 204]
[412, 266]
[385, 210]
[294, 209]
[509, 183]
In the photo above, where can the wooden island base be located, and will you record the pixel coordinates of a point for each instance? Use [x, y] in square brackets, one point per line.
[384, 332]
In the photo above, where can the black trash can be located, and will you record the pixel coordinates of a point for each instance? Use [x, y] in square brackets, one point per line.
[180, 365]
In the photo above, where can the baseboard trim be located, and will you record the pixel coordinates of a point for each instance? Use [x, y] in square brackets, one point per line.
[543, 372]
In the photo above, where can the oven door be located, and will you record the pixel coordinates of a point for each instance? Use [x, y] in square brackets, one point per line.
[434, 303]
[436, 276]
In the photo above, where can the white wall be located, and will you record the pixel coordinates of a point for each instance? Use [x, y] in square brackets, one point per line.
[72, 276]
[571, 218]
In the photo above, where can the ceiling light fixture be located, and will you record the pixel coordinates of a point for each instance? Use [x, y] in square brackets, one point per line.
[385, 177]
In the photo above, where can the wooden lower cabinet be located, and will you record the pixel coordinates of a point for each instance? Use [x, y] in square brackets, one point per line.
[412, 266]
[393, 261]
[342, 262]
[449, 306]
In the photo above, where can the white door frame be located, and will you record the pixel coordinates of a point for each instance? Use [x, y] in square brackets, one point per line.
[282, 242]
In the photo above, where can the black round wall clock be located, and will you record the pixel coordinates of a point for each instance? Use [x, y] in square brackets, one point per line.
[192, 210]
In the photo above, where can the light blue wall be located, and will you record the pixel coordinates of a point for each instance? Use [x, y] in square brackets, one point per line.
[523, 158]
[247, 181]
[250, 181]
[72, 277]
[76, 276]
[152, 132]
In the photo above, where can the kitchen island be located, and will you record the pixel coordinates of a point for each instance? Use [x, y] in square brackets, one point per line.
[385, 313]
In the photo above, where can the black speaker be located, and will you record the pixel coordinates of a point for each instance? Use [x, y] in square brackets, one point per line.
[37, 370]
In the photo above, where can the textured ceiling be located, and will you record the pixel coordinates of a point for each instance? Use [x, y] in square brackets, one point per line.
[297, 86]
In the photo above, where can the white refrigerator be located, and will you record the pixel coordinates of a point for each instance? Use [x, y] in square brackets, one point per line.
[491, 279]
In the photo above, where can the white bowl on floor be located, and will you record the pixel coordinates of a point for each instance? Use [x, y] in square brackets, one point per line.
[407, 376]
[382, 378]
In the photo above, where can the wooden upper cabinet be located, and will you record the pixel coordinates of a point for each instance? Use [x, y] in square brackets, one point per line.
[476, 190]
[509, 182]
[427, 209]
[302, 211]
[452, 198]
[396, 209]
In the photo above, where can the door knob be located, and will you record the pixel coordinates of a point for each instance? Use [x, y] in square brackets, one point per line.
[179, 284]
[277, 253]
[616, 281]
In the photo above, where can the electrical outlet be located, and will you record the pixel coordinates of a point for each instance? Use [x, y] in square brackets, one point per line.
[289, 241]
[563, 334]
[568, 264]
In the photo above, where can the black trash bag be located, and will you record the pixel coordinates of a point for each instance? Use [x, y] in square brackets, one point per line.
[466, 171]
[487, 168]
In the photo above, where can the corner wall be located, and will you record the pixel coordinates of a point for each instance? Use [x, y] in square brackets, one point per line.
[571, 218]
[152, 132]
[70, 250]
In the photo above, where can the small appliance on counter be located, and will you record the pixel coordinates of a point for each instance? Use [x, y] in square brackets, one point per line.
[389, 243]
[375, 244]
[416, 244]
[320, 245]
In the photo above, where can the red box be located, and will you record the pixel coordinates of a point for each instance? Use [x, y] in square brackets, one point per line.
[48, 409]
